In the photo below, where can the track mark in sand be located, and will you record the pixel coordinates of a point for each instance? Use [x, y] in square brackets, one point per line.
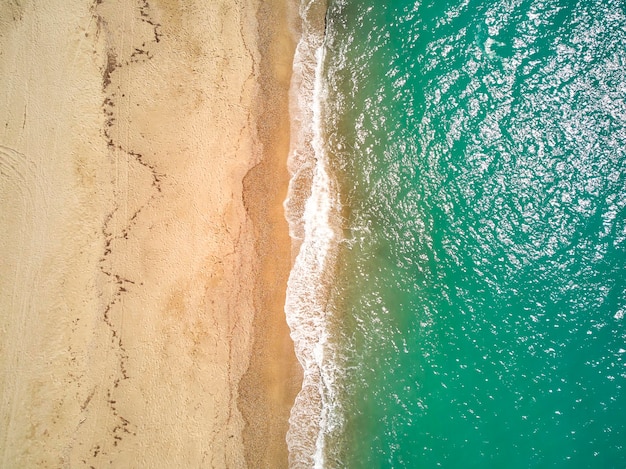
[147, 18]
[117, 226]
[109, 68]
[16, 168]
[20, 184]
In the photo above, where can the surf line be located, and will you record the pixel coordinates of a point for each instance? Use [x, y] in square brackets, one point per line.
[312, 210]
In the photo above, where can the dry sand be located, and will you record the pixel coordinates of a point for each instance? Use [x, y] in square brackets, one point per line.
[144, 254]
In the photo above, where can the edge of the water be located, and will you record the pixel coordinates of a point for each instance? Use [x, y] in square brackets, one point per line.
[269, 386]
[311, 208]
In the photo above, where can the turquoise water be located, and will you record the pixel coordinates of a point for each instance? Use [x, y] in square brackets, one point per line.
[460, 293]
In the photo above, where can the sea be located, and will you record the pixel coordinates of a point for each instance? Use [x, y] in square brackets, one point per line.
[458, 214]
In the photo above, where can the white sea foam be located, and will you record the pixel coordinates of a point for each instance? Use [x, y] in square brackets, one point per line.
[311, 209]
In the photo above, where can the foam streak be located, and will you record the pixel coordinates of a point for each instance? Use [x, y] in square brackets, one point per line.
[311, 207]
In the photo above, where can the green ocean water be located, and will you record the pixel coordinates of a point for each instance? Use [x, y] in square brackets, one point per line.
[476, 311]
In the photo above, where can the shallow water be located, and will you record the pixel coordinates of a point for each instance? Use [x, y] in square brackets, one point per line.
[464, 286]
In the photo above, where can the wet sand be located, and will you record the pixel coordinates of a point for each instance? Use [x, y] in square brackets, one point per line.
[144, 251]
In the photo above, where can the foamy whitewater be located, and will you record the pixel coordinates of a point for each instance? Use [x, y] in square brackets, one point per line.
[312, 209]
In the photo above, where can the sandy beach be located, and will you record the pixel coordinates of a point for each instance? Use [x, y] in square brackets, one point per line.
[144, 252]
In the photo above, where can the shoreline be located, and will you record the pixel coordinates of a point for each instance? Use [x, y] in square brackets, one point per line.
[273, 364]
[143, 158]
